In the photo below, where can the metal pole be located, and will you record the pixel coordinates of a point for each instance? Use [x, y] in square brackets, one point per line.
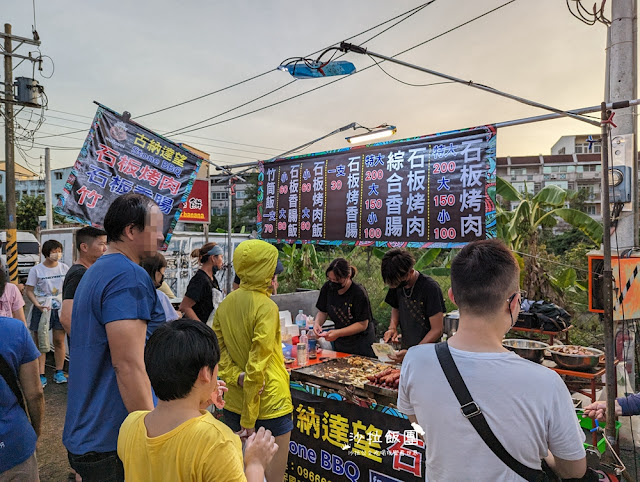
[498, 125]
[10, 168]
[607, 286]
[347, 47]
[47, 187]
[622, 82]
[229, 237]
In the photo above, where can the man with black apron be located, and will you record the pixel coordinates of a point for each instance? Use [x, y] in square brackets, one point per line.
[417, 304]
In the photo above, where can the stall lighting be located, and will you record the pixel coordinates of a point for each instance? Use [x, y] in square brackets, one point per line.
[388, 131]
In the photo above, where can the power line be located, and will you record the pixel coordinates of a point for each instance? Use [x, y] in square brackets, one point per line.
[350, 75]
[407, 83]
[412, 12]
[272, 70]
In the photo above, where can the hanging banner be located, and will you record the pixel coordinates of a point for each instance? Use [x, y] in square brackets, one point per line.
[336, 440]
[120, 157]
[431, 191]
[196, 209]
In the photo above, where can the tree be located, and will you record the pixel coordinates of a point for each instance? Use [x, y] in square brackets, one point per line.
[27, 212]
[521, 229]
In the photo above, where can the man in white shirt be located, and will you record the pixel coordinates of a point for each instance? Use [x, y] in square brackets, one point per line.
[526, 405]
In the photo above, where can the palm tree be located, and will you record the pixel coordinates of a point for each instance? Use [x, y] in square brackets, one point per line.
[520, 229]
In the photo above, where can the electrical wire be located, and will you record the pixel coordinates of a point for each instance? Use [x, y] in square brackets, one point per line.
[352, 74]
[311, 64]
[270, 70]
[407, 83]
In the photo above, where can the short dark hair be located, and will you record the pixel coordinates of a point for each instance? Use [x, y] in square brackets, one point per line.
[128, 210]
[483, 276]
[153, 264]
[88, 234]
[49, 246]
[395, 266]
[175, 354]
[342, 269]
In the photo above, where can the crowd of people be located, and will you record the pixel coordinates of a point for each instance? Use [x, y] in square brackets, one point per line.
[143, 377]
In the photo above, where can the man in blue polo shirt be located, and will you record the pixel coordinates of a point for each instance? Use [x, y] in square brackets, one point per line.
[115, 301]
[17, 436]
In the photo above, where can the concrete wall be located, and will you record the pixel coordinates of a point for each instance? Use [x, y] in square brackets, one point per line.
[302, 300]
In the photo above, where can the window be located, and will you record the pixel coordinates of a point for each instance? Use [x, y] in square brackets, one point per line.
[585, 149]
[58, 176]
[518, 171]
[562, 151]
[590, 210]
[219, 196]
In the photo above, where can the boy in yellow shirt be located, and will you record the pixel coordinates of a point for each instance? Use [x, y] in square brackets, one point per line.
[178, 440]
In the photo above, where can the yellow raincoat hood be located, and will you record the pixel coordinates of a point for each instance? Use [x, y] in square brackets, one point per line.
[247, 324]
[255, 263]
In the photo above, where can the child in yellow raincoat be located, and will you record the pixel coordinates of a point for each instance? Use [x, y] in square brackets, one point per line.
[247, 325]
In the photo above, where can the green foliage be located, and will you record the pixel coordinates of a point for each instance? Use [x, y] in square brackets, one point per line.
[559, 244]
[521, 230]
[27, 212]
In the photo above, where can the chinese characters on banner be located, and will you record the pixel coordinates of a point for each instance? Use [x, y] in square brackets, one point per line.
[436, 191]
[196, 209]
[121, 157]
[334, 440]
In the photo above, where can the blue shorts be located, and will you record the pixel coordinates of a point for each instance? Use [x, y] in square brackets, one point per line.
[54, 323]
[278, 426]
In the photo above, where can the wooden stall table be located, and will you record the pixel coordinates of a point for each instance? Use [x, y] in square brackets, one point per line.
[550, 334]
[590, 376]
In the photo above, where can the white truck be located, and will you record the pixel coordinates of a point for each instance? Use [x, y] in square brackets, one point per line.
[28, 252]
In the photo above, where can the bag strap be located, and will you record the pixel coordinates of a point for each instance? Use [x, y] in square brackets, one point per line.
[472, 412]
[7, 373]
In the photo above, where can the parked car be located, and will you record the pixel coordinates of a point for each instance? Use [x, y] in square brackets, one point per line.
[28, 252]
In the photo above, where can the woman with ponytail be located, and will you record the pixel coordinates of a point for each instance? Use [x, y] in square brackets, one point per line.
[347, 304]
[197, 303]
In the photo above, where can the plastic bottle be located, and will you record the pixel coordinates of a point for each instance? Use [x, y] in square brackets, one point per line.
[301, 320]
[313, 344]
[303, 348]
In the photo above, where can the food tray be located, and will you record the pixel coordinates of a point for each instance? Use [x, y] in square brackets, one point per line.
[339, 373]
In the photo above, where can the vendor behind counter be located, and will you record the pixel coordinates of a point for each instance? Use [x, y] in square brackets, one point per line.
[347, 304]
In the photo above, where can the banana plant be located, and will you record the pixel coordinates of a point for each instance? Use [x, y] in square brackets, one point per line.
[520, 229]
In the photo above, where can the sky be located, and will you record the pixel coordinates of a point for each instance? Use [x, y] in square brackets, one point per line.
[146, 55]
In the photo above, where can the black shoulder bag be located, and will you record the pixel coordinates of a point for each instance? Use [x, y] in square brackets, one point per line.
[12, 380]
[471, 411]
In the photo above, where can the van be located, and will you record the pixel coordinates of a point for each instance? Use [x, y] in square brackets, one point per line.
[28, 252]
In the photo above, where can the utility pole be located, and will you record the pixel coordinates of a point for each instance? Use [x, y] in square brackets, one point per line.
[47, 187]
[9, 140]
[229, 233]
[622, 85]
[10, 168]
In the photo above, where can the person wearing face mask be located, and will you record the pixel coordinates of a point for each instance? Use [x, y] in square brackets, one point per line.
[44, 289]
[156, 266]
[347, 304]
[417, 304]
[197, 303]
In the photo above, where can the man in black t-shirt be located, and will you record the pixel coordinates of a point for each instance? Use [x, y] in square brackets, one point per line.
[417, 304]
[91, 243]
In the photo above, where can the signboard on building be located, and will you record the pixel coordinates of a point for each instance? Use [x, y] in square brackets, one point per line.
[337, 440]
[431, 191]
[120, 156]
[197, 209]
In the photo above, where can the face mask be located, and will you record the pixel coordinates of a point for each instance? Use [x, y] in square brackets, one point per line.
[335, 286]
[402, 284]
[161, 280]
[54, 256]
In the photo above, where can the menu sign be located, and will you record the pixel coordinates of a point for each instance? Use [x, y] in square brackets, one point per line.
[436, 191]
